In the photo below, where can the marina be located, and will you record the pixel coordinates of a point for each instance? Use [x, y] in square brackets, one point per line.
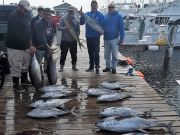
[142, 96]
[14, 105]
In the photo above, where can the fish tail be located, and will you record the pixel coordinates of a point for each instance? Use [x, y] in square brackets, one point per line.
[81, 45]
[72, 111]
[169, 128]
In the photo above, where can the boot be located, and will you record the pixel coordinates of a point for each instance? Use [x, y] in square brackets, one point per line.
[24, 79]
[90, 69]
[16, 85]
[74, 68]
[61, 68]
[97, 70]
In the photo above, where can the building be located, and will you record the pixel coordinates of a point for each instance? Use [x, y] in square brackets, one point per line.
[61, 10]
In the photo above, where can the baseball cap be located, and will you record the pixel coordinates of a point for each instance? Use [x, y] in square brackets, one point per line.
[40, 8]
[25, 4]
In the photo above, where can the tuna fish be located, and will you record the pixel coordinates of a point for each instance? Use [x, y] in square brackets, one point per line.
[51, 71]
[117, 124]
[93, 23]
[53, 88]
[46, 112]
[58, 94]
[123, 112]
[35, 73]
[112, 97]
[98, 91]
[114, 85]
[49, 103]
[74, 33]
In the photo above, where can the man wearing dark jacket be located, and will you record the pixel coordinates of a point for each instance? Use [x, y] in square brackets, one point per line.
[39, 16]
[43, 36]
[19, 44]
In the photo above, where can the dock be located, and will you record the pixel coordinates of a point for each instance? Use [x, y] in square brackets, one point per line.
[14, 105]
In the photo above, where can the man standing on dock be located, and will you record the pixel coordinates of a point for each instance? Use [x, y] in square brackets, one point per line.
[93, 37]
[67, 24]
[43, 37]
[113, 37]
[19, 44]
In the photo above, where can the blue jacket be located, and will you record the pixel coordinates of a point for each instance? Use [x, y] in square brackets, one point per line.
[90, 33]
[114, 26]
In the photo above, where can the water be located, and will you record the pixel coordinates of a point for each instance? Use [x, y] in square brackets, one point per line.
[162, 80]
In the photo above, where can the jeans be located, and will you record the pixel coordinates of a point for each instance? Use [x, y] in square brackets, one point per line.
[93, 45]
[111, 50]
[65, 46]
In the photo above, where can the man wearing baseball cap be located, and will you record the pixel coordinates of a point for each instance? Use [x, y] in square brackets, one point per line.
[19, 44]
[25, 4]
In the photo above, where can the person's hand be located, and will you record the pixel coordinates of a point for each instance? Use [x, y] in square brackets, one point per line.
[32, 49]
[50, 51]
[67, 28]
[121, 45]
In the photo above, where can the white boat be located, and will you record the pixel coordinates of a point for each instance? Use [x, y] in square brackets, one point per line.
[159, 14]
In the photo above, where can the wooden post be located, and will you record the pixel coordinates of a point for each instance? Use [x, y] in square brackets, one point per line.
[178, 81]
[166, 59]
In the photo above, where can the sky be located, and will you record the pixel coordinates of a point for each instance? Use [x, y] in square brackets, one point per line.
[76, 3]
[52, 3]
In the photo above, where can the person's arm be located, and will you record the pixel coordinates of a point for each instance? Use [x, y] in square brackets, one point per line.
[102, 21]
[82, 19]
[121, 29]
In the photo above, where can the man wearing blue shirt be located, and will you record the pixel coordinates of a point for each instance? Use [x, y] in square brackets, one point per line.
[93, 37]
[113, 37]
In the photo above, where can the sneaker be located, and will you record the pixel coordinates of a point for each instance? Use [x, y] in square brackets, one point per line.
[97, 70]
[74, 68]
[90, 70]
[61, 68]
[18, 88]
[106, 70]
[45, 70]
[113, 71]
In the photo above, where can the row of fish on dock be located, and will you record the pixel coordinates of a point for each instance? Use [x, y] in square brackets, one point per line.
[117, 119]
[122, 119]
[53, 98]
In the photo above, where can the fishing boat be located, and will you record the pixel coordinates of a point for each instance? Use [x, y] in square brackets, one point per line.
[157, 16]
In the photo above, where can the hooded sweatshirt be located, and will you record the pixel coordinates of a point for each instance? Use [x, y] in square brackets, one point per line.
[114, 26]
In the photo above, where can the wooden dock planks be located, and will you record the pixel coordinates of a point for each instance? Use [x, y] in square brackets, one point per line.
[14, 105]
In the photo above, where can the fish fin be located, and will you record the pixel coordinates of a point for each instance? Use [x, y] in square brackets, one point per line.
[148, 113]
[169, 127]
[143, 131]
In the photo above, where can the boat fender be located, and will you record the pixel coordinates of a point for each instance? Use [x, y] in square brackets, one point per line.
[153, 48]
